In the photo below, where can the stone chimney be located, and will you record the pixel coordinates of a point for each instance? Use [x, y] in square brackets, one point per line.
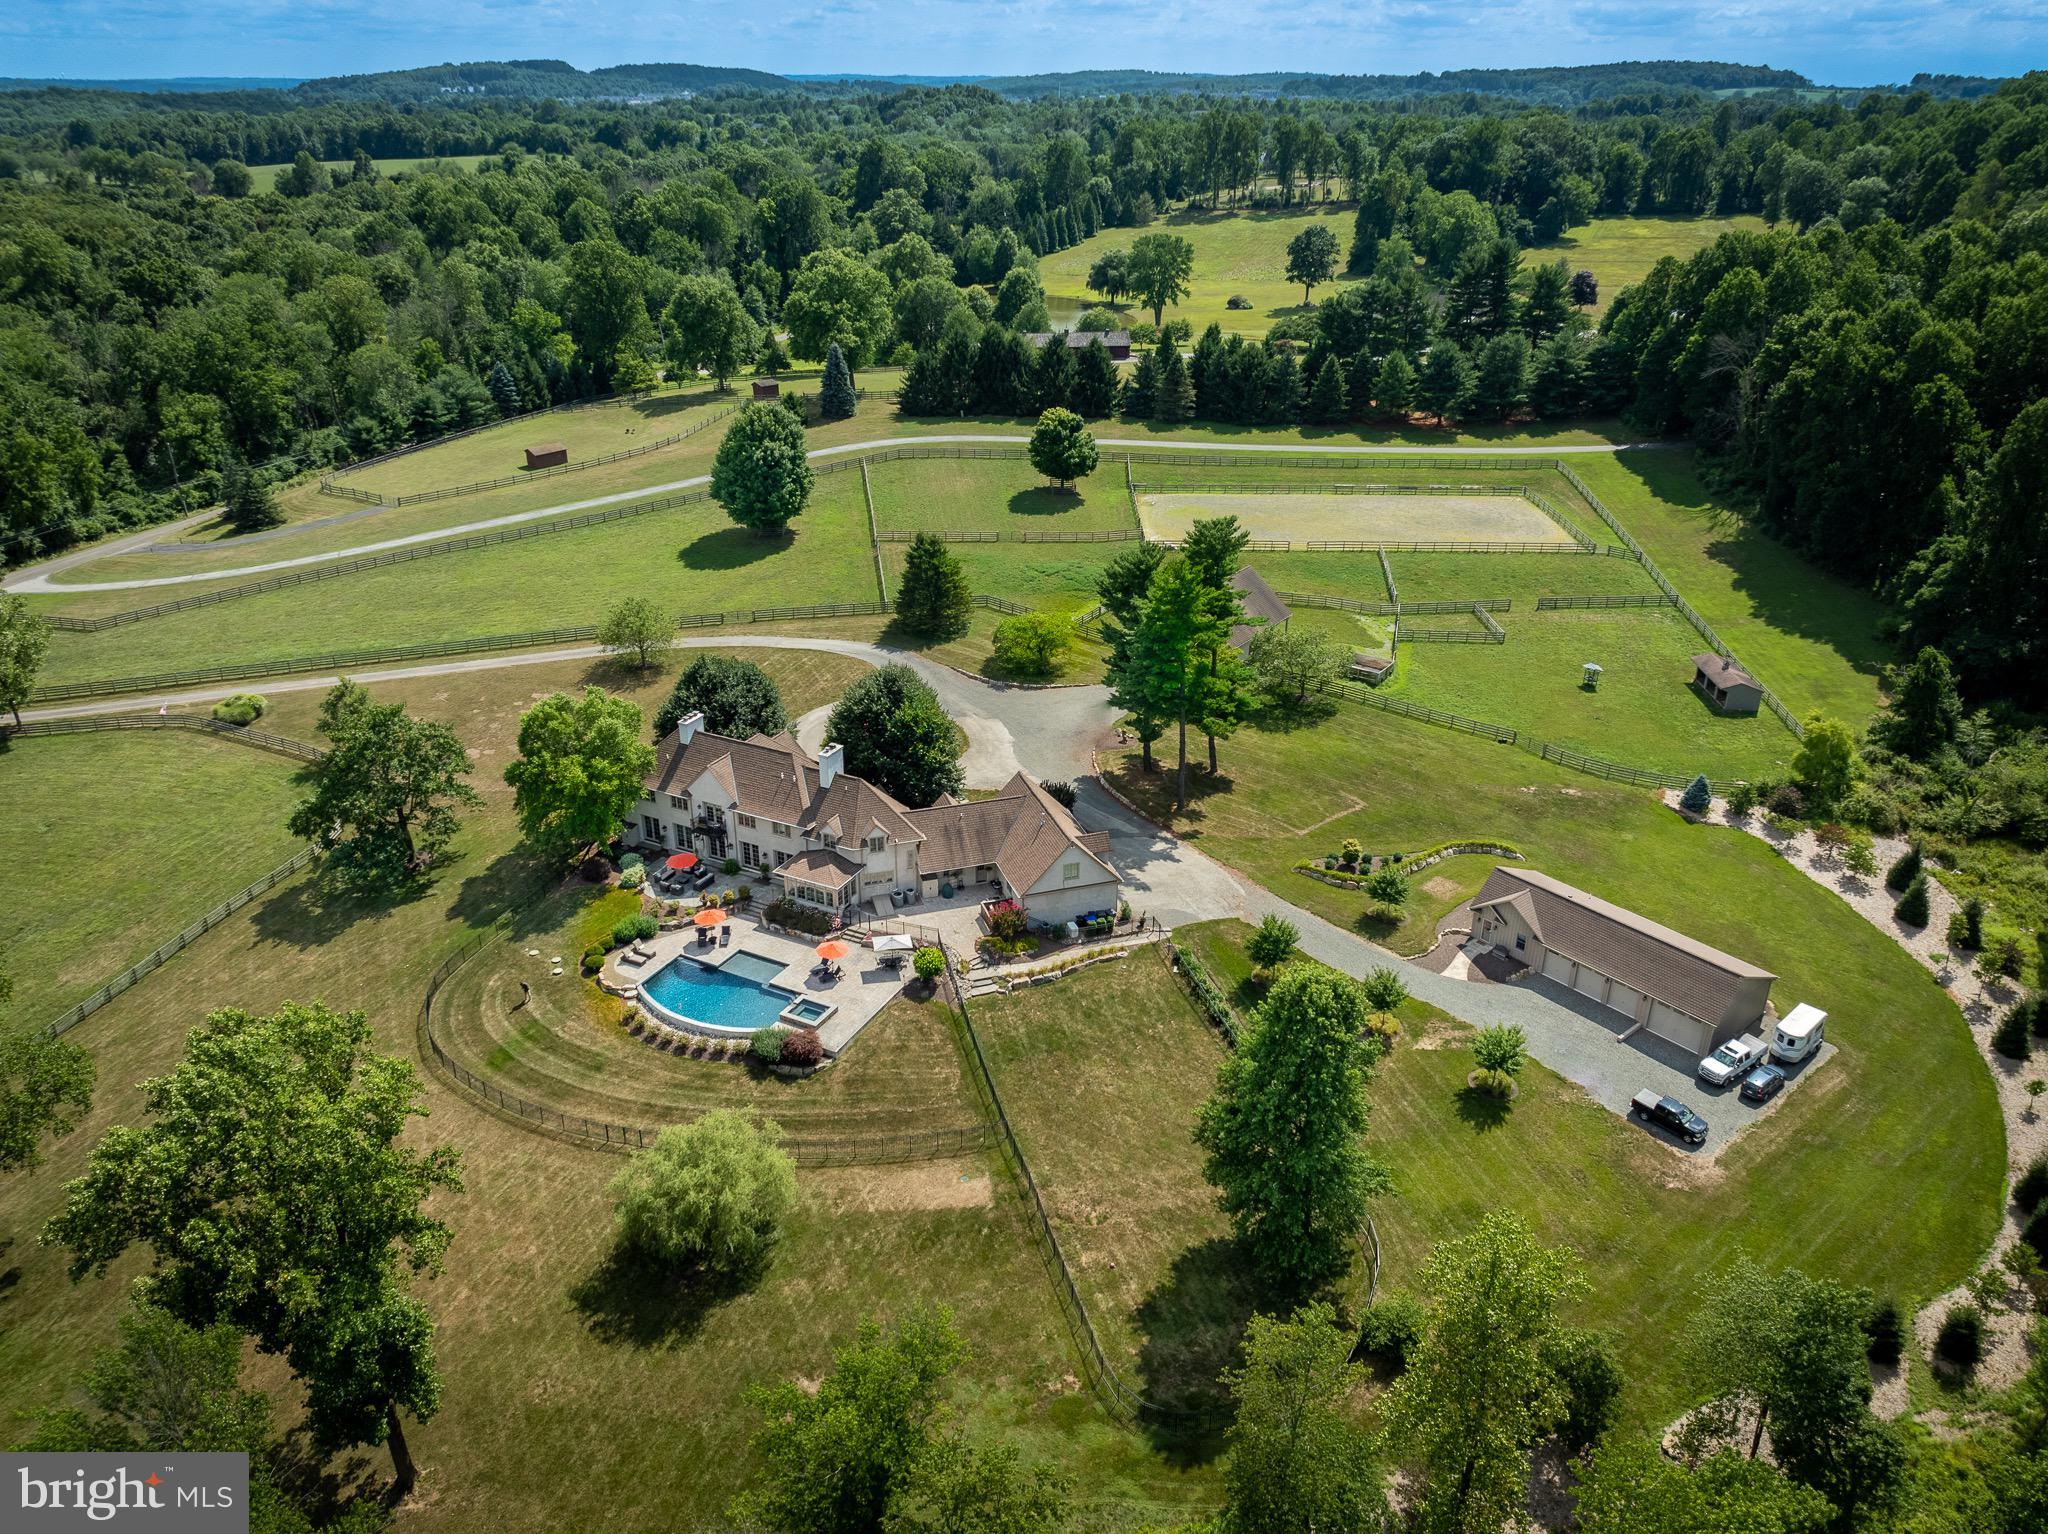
[687, 728]
[831, 762]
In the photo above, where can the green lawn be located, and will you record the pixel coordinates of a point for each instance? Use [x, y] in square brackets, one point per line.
[997, 495]
[1235, 253]
[1621, 251]
[541, 1341]
[263, 178]
[1810, 637]
[1521, 578]
[1644, 712]
[96, 879]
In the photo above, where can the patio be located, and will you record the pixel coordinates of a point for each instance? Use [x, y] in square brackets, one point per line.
[863, 987]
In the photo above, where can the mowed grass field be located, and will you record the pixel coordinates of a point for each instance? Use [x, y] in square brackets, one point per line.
[996, 495]
[1887, 1175]
[113, 842]
[1235, 253]
[546, 1348]
[263, 178]
[1621, 251]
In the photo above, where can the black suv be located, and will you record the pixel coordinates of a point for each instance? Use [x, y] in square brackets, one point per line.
[1669, 1113]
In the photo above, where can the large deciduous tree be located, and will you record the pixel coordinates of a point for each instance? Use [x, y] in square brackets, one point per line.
[706, 326]
[581, 768]
[1061, 448]
[711, 1194]
[24, 640]
[1159, 270]
[274, 1193]
[735, 696]
[1312, 258]
[1284, 1132]
[837, 298]
[1630, 1487]
[761, 475]
[1297, 1459]
[898, 736]
[606, 305]
[1292, 662]
[385, 795]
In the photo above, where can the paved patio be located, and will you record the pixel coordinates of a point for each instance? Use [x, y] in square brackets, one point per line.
[864, 986]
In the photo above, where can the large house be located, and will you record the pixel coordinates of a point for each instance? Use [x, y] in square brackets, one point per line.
[1669, 985]
[834, 841]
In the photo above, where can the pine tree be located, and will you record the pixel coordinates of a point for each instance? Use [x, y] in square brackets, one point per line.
[1094, 382]
[1501, 379]
[1698, 795]
[1283, 388]
[1175, 398]
[1393, 391]
[504, 392]
[774, 357]
[1205, 372]
[1444, 387]
[247, 504]
[1054, 375]
[1912, 908]
[933, 600]
[1557, 388]
[1142, 391]
[1327, 403]
[837, 400]
[2010, 1037]
[1905, 870]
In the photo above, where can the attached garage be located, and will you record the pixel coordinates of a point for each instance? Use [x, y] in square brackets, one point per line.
[1677, 988]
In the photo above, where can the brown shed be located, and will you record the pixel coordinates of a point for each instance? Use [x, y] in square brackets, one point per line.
[546, 455]
[767, 388]
[1726, 685]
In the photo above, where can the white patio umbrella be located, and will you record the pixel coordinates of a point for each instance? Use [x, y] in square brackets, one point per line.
[893, 942]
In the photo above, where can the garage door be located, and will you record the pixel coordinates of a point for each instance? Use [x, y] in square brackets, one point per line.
[1591, 983]
[1624, 999]
[1686, 1032]
[1557, 967]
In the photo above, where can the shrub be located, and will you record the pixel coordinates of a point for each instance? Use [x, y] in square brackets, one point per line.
[632, 878]
[1061, 791]
[2009, 1038]
[1498, 1085]
[1972, 914]
[710, 1193]
[1697, 796]
[1008, 924]
[593, 957]
[2004, 958]
[930, 963]
[1391, 1327]
[1351, 852]
[766, 1045]
[633, 929]
[1384, 991]
[1742, 798]
[1384, 1027]
[1884, 1331]
[242, 708]
[730, 867]
[801, 1047]
[1905, 870]
[1912, 906]
[1272, 942]
[1786, 799]
[2036, 1232]
[1959, 931]
[2035, 1008]
[1858, 857]
[798, 918]
[1585, 1363]
[1500, 1048]
[631, 860]
[2031, 1191]
[1237, 301]
[1961, 1338]
[1387, 887]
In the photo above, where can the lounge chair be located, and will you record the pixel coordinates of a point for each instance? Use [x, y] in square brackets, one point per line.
[632, 958]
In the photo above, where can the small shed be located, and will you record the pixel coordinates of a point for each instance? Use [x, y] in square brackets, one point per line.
[767, 388]
[1262, 606]
[547, 455]
[1726, 685]
[1371, 669]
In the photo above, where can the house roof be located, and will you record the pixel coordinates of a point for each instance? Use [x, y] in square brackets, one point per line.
[773, 778]
[1079, 340]
[1262, 605]
[1668, 966]
[549, 447]
[827, 870]
[1020, 832]
[1723, 672]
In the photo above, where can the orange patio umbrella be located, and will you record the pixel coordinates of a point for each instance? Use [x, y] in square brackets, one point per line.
[710, 916]
[832, 948]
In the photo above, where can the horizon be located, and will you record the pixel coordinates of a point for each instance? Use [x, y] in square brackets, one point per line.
[1831, 42]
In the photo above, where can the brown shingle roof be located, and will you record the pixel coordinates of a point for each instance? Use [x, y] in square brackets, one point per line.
[773, 778]
[1677, 970]
[1021, 832]
[1262, 605]
[827, 870]
[1079, 340]
[1723, 672]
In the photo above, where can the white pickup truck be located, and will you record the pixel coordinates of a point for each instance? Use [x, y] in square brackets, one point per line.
[1731, 1062]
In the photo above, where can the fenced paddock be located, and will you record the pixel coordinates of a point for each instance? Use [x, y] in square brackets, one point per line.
[1372, 514]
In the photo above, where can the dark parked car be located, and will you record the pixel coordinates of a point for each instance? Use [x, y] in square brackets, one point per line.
[1762, 1084]
[1669, 1113]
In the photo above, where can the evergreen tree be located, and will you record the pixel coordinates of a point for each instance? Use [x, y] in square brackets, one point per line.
[1926, 709]
[1444, 387]
[1204, 369]
[1480, 302]
[247, 504]
[1054, 376]
[1283, 388]
[774, 356]
[2010, 1038]
[1905, 870]
[932, 600]
[504, 391]
[1547, 309]
[924, 389]
[1141, 392]
[1175, 398]
[1912, 908]
[1557, 386]
[1327, 403]
[1697, 796]
[1094, 382]
[1002, 373]
[837, 400]
[1393, 390]
[1501, 382]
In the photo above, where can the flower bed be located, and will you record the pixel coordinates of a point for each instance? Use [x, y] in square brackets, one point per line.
[1331, 871]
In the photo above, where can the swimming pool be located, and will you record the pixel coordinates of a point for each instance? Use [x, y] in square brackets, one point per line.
[736, 995]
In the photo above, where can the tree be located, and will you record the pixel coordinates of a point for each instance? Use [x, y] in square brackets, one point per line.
[1290, 662]
[1558, 381]
[385, 794]
[837, 298]
[1272, 941]
[1585, 289]
[1547, 308]
[1214, 547]
[1500, 385]
[1054, 375]
[1032, 644]
[1697, 797]
[1905, 868]
[898, 736]
[276, 1194]
[1585, 1364]
[635, 626]
[24, 640]
[836, 1454]
[761, 475]
[707, 327]
[45, 1089]
[1444, 387]
[1631, 1487]
[1061, 447]
[231, 178]
[1912, 906]
[1160, 667]
[581, 768]
[2010, 1038]
[1825, 763]
[1109, 274]
[1479, 1390]
[1327, 402]
[1393, 390]
[1174, 398]
[736, 697]
[837, 399]
[1159, 269]
[1480, 301]
[247, 503]
[1926, 709]
[605, 305]
[932, 599]
[1312, 257]
[952, 1488]
[1297, 1460]
[504, 390]
[1094, 393]
[710, 1194]
[1284, 1130]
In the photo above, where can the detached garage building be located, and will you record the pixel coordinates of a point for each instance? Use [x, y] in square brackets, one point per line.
[1666, 983]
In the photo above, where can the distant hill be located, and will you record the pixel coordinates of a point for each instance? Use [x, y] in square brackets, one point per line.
[533, 78]
[183, 85]
[1562, 84]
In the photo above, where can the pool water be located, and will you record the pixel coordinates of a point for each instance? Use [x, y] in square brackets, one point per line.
[733, 996]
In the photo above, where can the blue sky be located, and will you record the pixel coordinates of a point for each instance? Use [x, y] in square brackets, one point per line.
[1834, 41]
